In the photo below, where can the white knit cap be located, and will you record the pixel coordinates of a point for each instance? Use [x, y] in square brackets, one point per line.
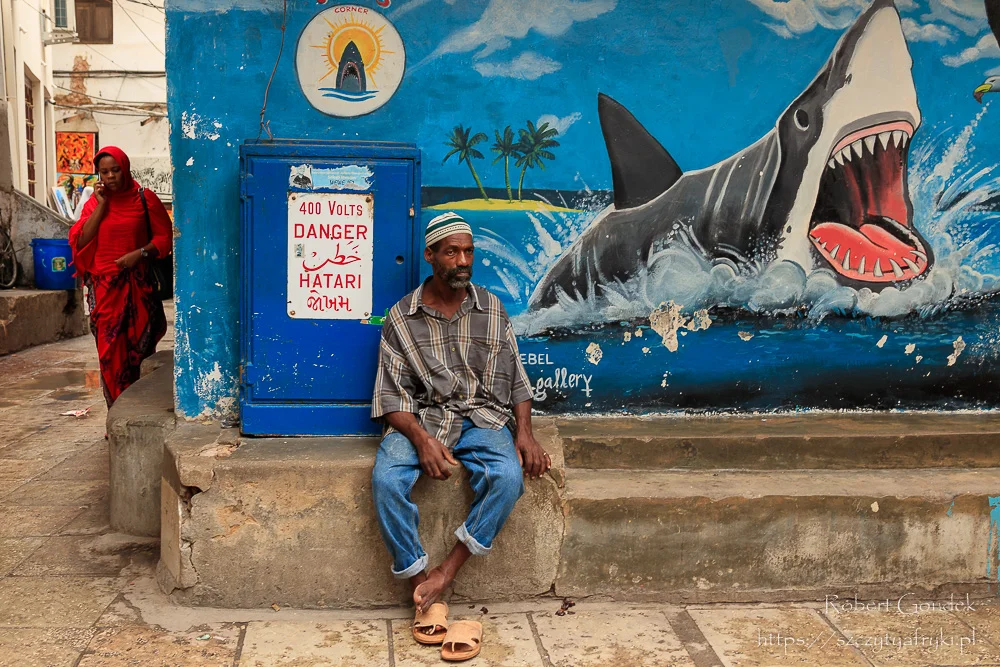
[444, 225]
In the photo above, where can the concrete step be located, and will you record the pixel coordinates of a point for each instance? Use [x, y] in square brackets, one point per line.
[784, 442]
[770, 535]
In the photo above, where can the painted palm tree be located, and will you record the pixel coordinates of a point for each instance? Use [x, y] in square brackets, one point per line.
[505, 147]
[533, 146]
[462, 144]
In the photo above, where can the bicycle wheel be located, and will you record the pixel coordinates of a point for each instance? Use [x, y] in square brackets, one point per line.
[8, 261]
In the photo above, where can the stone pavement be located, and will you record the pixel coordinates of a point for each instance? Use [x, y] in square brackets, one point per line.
[73, 593]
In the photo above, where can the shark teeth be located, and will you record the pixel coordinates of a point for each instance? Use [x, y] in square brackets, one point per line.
[861, 265]
[913, 267]
[920, 255]
[847, 260]
[896, 268]
[833, 253]
[856, 146]
[877, 271]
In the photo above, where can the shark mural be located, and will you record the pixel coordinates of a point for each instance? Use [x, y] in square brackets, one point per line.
[827, 187]
[704, 205]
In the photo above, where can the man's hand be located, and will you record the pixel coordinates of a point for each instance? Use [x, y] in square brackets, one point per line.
[434, 458]
[533, 458]
[128, 260]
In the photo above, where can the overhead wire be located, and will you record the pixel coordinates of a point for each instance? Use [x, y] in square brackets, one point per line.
[265, 126]
[104, 99]
[138, 114]
[151, 42]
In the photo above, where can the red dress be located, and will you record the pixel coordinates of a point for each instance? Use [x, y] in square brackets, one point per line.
[126, 319]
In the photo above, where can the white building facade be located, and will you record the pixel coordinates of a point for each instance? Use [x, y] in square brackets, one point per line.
[25, 60]
[109, 88]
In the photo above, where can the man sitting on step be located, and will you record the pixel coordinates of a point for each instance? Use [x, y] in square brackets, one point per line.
[451, 388]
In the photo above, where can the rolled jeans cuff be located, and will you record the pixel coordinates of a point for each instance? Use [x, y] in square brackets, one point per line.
[475, 548]
[418, 566]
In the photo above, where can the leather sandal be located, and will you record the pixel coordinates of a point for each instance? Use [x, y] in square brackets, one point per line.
[463, 641]
[431, 626]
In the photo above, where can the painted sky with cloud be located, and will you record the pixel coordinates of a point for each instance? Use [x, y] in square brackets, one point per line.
[705, 77]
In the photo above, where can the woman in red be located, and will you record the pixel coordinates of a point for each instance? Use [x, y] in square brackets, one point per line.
[111, 246]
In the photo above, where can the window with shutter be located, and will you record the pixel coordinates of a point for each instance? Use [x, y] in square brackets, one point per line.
[95, 21]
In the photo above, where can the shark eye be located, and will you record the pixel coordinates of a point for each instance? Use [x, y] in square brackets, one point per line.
[802, 119]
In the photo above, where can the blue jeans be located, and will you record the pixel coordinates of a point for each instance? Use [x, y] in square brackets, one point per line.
[496, 479]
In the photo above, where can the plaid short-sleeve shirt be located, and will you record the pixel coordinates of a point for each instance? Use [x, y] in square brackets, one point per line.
[445, 369]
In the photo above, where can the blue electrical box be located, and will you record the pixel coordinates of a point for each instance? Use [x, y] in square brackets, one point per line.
[329, 244]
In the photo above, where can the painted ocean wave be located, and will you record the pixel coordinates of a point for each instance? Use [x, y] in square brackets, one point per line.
[348, 96]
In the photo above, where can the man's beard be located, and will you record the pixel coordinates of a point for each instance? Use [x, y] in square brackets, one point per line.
[458, 277]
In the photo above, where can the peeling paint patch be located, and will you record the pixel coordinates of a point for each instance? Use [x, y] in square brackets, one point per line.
[190, 162]
[638, 333]
[950, 508]
[666, 320]
[959, 345]
[875, 506]
[210, 383]
[645, 350]
[744, 335]
[192, 127]
[594, 353]
[628, 336]
[918, 358]
[910, 348]
[699, 321]
[881, 341]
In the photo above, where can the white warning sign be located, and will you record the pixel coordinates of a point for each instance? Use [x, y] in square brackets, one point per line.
[330, 256]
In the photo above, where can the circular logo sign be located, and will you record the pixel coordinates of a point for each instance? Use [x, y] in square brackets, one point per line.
[349, 60]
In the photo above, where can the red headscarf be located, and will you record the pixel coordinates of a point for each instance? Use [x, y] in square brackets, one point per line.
[123, 227]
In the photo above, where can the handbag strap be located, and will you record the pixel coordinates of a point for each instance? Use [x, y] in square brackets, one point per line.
[145, 210]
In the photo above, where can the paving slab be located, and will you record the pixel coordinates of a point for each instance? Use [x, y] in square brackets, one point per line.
[507, 642]
[93, 520]
[51, 647]
[343, 643]
[762, 637]
[8, 486]
[49, 444]
[73, 555]
[60, 492]
[22, 468]
[90, 464]
[921, 635]
[610, 639]
[15, 550]
[26, 521]
[206, 646]
[44, 602]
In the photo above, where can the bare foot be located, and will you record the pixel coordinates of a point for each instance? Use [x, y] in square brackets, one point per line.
[429, 592]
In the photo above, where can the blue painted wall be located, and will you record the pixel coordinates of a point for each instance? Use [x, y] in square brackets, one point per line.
[706, 78]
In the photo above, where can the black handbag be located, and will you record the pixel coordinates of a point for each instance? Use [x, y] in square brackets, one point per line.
[160, 269]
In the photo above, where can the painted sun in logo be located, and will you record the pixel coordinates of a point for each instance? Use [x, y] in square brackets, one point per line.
[341, 58]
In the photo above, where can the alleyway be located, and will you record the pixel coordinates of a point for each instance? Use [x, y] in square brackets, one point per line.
[72, 593]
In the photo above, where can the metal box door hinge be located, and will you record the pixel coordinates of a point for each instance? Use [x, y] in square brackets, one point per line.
[249, 374]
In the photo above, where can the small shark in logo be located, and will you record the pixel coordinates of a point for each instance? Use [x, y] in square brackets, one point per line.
[825, 188]
[351, 70]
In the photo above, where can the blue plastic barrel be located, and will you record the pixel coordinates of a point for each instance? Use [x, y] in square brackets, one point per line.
[53, 264]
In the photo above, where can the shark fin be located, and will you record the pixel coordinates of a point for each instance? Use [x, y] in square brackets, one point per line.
[641, 169]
